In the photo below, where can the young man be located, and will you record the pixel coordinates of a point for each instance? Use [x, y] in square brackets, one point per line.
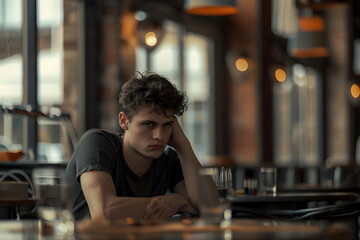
[131, 174]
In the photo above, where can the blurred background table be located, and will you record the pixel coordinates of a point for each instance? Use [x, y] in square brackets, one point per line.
[294, 198]
[292, 201]
[331, 206]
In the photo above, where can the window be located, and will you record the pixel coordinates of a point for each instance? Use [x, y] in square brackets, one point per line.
[55, 141]
[297, 117]
[197, 86]
[190, 73]
[10, 51]
[10, 72]
[165, 59]
[50, 42]
[50, 48]
[297, 102]
[52, 142]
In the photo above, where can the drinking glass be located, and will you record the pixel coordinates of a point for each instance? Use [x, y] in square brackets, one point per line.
[54, 206]
[267, 180]
[327, 177]
[214, 210]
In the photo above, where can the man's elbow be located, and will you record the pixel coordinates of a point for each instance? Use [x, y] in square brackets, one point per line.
[109, 213]
[100, 214]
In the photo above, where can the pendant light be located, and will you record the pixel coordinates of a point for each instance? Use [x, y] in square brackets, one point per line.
[211, 7]
[238, 64]
[310, 39]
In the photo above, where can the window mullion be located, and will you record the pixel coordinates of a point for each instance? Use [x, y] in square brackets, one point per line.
[29, 40]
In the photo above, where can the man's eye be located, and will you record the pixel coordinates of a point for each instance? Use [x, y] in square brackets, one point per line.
[148, 124]
[167, 125]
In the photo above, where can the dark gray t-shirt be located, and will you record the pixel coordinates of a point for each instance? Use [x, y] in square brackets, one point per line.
[102, 150]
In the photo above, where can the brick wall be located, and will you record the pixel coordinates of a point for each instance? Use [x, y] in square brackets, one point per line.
[71, 60]
[243, 116]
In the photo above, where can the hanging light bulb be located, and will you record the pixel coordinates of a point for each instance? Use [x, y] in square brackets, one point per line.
[241, 64]
[355, 90]
[238, 64]
[150, 32]
[211, 7]
[150, 39]
[280, 75]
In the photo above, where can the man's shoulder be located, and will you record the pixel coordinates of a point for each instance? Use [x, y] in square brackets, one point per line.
[99, 137]
[98, 132]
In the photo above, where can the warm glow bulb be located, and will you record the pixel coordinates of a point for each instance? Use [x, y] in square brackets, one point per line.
[355, 90]
[150, 39]
[280, 75]
[241, 64]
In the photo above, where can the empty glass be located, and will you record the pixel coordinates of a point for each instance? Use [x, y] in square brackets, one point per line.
[327, 177]
[268, 180]
[54, 210]
[215, 211]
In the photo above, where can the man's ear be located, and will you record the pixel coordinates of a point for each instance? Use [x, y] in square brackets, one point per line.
[123, 121]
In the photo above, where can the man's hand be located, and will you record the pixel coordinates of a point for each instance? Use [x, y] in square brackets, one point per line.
[178, 138]
[166, 206]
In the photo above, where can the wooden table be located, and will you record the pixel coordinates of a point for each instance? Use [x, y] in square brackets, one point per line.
[187, 230]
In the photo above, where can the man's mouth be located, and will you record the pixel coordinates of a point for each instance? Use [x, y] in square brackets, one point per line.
[156, 147]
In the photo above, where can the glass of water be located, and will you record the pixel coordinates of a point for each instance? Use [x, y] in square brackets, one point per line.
[214, 210]
[268, 180]
[54, 206]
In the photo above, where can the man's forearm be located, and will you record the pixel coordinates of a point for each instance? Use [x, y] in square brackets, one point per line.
[158, 207]
[191, 167]
[122, 207]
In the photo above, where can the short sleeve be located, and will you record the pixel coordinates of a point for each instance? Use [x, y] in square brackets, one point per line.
[96, 150]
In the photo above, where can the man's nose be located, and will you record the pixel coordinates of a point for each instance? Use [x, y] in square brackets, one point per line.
[158, 133]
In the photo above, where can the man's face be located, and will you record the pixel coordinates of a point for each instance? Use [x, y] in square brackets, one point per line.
[148, 132]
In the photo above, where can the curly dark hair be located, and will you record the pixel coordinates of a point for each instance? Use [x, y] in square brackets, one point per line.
[149, 89]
